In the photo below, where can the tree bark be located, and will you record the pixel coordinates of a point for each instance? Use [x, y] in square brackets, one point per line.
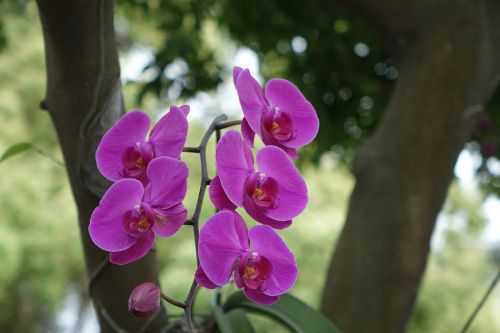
[84, 99]
[449, 67]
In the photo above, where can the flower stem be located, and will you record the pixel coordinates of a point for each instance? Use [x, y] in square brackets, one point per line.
[228, 124]
[173, 301]
[205, 180]
[195, 150]
[481, 303]
[216, 126]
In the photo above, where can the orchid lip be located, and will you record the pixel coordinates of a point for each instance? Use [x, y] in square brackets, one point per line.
[139, 221]
[254, 271]
[135, 159]
[278, 125]
[263, 190]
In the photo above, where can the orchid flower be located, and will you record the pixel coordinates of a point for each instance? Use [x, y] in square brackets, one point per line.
[273, 195]
[130, 215]
[281, 116]
[260, 261]
[125, 152]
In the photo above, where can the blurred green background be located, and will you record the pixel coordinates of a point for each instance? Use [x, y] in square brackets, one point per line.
[42, 276]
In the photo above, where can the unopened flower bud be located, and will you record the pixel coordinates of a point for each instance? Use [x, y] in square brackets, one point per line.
[144, 300]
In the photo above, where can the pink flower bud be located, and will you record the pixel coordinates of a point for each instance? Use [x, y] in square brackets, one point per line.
[144, 300]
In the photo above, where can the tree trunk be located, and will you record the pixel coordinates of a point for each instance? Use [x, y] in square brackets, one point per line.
[84, 99]
[449, 60]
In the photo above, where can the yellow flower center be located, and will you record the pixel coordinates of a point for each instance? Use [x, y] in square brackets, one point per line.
[143, 225]
[275, 127]
[250, 272]
[140, 163]
[258, 193]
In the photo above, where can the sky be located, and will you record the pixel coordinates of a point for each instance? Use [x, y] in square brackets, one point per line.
[465, 168]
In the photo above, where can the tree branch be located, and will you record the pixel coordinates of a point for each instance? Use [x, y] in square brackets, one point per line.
[403, 172]
[402, 23]
[84, 99]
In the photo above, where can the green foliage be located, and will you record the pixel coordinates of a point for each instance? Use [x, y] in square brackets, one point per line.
[15, 149]
[344, 88]
[297, 316]
[183, 63]
[237, 319]
[458, 272]
[39, 237]
[2, 36]
[2, 29]
[349, 91]
[342, 69]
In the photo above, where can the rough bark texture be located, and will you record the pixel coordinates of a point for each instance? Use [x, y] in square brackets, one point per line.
[449, 61]
[84, 98]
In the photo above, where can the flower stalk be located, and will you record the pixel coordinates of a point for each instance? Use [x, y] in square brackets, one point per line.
[150, 183]
[216, 126]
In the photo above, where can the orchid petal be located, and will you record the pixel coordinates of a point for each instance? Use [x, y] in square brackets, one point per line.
[106, 223]
[247, 133]
[185, 109]
[135, 252]
[169, 221]
[130, 129]
[252, 100]
[266, 242]
[218, 196]
[232, 160]
[168, 178]
[236, 72]
[259, 297]
[168, 137]
[220, 246]
[284, 95]
[292, 197]
[258, 215]
[203, 280]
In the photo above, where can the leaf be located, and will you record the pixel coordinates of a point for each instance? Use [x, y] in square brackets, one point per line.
[222, 321]
[290, 311]
[235, 321]
[16, 149]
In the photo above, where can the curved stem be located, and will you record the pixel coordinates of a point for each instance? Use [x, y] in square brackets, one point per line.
[195, 150]
[49, 156]
[173, 301]
[216, 125]
[481, 303]
[227, 124]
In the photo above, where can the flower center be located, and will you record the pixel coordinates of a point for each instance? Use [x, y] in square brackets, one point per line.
[135, 159]
[255, 270]
[143, 225]
[263, 190]
[250, 272]
[275, 127]
[139, 221]
[278, 124]
[258, 194]
[140, 163]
